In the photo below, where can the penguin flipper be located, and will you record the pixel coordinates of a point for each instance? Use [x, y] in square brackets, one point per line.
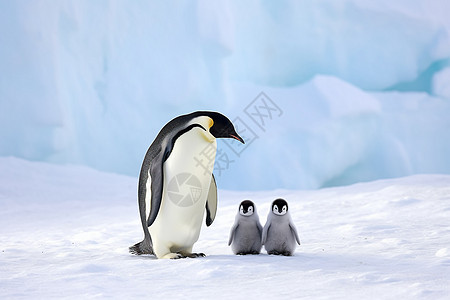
[265, 232]
[294, 232]
[260, 229]
[211, 202]
[157, 177]
[232, 232]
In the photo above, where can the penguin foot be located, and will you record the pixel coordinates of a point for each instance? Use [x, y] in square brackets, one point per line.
[183, 255]
[285, 253]
[174, 256]
[248, 253]
[195, 255]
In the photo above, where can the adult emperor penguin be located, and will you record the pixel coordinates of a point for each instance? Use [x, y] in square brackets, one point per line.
[279, 234]
[245, 235]
[176, 184]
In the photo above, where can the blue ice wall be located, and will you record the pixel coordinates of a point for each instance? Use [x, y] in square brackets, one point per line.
[358, 89]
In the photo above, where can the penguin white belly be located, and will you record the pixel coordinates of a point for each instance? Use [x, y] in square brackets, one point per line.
[187, 176]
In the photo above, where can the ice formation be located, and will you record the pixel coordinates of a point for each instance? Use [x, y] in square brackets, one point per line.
[362, 86]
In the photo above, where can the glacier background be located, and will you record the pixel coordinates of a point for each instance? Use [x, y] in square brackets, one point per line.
[362, 89]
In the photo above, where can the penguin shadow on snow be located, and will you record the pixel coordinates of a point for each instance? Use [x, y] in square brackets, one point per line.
[142, 257]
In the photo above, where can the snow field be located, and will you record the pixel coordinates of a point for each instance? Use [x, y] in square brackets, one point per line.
[65, 231]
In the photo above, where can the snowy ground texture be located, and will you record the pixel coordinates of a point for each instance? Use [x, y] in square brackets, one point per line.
[65, 231]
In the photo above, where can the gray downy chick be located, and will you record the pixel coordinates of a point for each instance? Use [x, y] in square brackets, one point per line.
[245, 235]
[279, 234]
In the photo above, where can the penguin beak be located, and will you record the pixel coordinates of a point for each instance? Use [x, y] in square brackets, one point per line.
[237, 137]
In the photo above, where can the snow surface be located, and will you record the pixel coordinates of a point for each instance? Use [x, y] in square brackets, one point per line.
[65, 231]
[362, 85]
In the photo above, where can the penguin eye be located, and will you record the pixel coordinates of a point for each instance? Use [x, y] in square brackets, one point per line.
[284, 208]
[275, 208]
[250, 209]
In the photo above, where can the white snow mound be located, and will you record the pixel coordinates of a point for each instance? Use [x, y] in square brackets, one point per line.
[65, 231]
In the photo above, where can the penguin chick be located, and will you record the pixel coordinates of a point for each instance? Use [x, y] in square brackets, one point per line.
[245, 235]
[279, 233]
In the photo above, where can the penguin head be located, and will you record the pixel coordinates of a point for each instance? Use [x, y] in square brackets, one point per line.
[220, 126]
[279, 207]
[246, 208]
